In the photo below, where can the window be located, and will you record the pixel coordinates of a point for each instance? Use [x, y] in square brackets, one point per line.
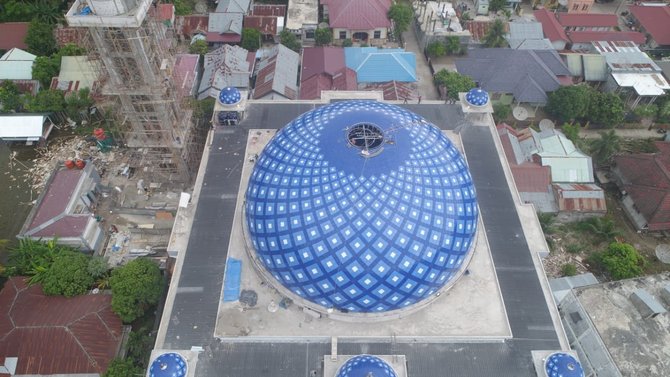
[309, 34]
[378, 34]
[343, 35]
[575, 7]
[585, 7]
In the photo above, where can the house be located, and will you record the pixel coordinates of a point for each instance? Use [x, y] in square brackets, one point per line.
[13, 35]
[631, 73]
[653, 19]
[25, 127]
[266, 18]
[76, 72]
[224, 28]
[56, 336]
[644, 180]
[437, 22]
[226, 66]
[302, 18]
[364, 21]
[233, 6]
[324, 68]
[186, 74]
[277, 74]
[16, 64]
[374, 64]
[189, 26]
[65, 210]
[587, 21]
[552, 29]
[527, 35]
[392, 90]
[588, 65]
[526, 74]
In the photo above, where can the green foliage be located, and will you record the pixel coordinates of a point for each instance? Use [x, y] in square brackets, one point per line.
[465, 17]
[646, 111]
[323, 36]
[401, 14]
[44, 69]
[68, 275]
[10, 97]
[501, 111]
[606, 109]
[569, 269]
[46, 11]
[436, 49]
[251, 39]
[663, 103]
[347, 43]
[496, 5]
[603, 228]
[140, 344]
[453, 46]
[203, 109]
[77, 104]
[40, 39]
[546, 222]
[71, 49]
[183, 7]
[198, 47]
[97, 267]
[29, 256]
[454, 82]
[495, 37]
[135, 287]
[122, 368]
[14, 11]
[51, 100]
[289, 40]
[569, 102]
[623, 261]
[573, 248]
[571, 131]
[605, 147]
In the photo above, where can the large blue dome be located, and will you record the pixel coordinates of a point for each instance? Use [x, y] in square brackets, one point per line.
[366, 366]
[561, 364]
[361, 206]
[168, 365]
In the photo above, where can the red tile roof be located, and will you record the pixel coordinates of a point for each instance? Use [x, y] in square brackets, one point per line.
[606, 36]
[393, 90]
[57, 196]
[185, 74]
[550, 25]
[12, 35]
[358, 14]
[188, 26]
[587, 19]
[278, 10]
[345, 79]
[646, 178]
[528, 176]
[655, 20]
[54, 334]
[265, 24]
[214, 37]
[316, 60]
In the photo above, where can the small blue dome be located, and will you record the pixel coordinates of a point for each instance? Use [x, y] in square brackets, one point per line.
[168, 365]
[229, 95]
[561, 364]
[361, 206]
[366, 366]
[477, 97]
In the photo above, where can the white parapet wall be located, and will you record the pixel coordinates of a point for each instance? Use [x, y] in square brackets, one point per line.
[107, 13]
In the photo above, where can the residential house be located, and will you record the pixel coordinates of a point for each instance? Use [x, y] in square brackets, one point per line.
[188, 27]
[224, 28]
[438, 21]
[579, 6]
[277, 74]
[392, 90]
[302, 18]
[644, 181]
[25, 127]
[632, 73]
[527, 35]
[364, 21]
[55, 335]
[13, 35]
[16, 64]
[375, 65]
[552, 28]
[528, 75]
[233, 6]
[324, 68]
[587, 65]
[76, 72]
[65, 210]
[226, 66]
[587, 21]
[653, 19]
[268, 19]
[186, 74]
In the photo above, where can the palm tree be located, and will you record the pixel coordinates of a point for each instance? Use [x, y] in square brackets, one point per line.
[604, 148]
[495, 37]
[47, 11]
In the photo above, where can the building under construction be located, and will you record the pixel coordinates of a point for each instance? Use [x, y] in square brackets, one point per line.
[135, 47]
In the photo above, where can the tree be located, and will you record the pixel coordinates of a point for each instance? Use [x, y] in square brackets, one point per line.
[454, 82]
[46, 11]
[501, 111]
[496, 5]
[569, 102]
[78, 103]
[623, 261]
[323, 36]
[44, 69]
[97, 267]
[14, 11]
[604, 148]
[606, 109]
[289, 40]
[251, 39]
[135, 287]
[571, 131]
[603, 228]
[71, 49]
[40, 38]
[198, 47]
[495, 37]
[182, 7]
[46, 101]
[453, 46]
[122, 368]
[401, 15]
[436, 49]
[68, 275]
[10, 97]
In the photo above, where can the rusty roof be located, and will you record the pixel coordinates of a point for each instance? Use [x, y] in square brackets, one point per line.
[12, 34]
[54, 334]
[265, 24]
[277, 10]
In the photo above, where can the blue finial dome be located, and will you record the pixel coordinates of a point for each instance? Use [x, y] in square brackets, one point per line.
[361, 206]
[366, 366]
[561, 364]
[229, 95]
[477, 97]
[168, 365]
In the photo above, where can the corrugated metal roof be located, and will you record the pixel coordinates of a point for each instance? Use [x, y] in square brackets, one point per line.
[615, 36]
[655, 20]
[79, 69]
[358, 14]
[21, 126]
[550, 25]
[278, 73]
[381, 65]
[226, 66]
[233, 6]
[277, 10]
[595, 68]
[587, 19]
[225, 23]
[16, 64]
[525, 30]
[13, 34]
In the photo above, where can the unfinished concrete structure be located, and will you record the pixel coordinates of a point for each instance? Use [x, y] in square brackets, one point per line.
[134, 47]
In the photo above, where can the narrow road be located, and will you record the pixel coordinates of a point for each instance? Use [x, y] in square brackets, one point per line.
[624, 133]
[426, 88]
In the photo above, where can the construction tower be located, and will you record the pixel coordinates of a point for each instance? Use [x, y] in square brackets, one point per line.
[134, 46]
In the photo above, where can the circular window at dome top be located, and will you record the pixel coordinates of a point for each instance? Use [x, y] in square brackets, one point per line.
[365, 136]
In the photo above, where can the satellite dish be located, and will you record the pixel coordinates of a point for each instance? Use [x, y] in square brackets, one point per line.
[520, 113]
[663, 253]
[546, 125]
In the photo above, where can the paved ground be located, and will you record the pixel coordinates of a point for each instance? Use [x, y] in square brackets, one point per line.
[624, 133]
[426, 88]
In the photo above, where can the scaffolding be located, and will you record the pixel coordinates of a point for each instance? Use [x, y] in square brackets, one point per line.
[136, 55]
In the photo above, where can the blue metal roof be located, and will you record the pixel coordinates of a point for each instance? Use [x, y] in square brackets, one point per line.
[477, 97]
[381, 65]
[366, 366]
[229, 95]
[168, 365]
[361, 227]
[561, 364]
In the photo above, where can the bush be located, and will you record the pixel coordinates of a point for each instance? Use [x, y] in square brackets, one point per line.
[347, 43]
[122, 368]
[135, 287]
[436, 49]
[573, 248]
[68, 275]
[622, 261]
[198, 47]
[251, 39]
[569, 269]
[98, 267]
[501, 111]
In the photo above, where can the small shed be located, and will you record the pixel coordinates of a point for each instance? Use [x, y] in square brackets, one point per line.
[29, 128]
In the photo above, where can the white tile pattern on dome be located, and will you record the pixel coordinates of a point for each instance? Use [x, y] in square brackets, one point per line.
[357, 240]
[477, 97]
[365, 366]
